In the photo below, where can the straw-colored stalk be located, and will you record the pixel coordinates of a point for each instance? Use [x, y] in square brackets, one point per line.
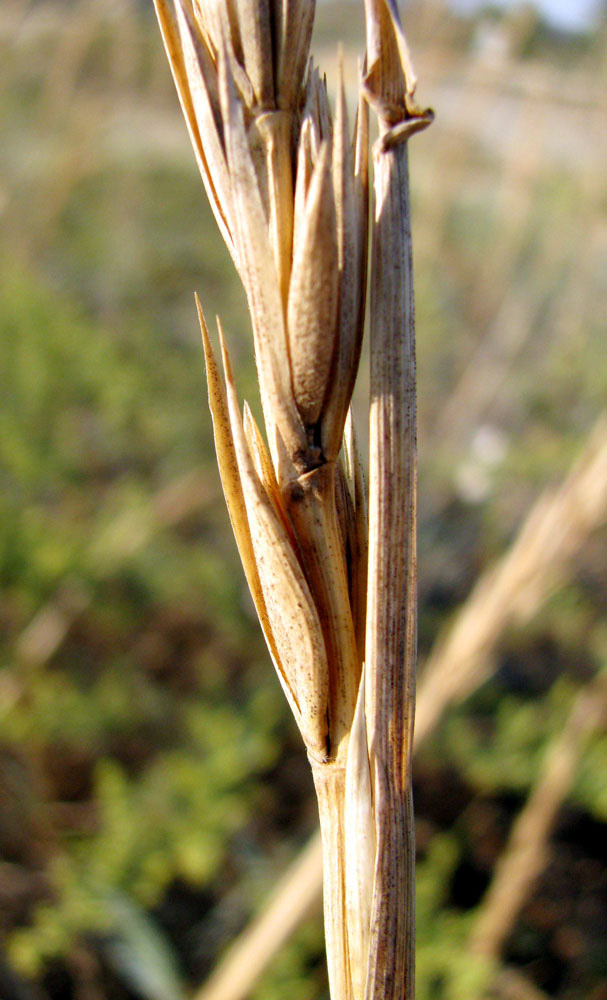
[289, 190]
[527, 850]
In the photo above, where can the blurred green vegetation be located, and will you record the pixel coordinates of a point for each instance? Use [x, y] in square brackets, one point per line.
[152, 784]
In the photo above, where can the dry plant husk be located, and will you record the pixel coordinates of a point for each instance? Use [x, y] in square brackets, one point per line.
[334, 585]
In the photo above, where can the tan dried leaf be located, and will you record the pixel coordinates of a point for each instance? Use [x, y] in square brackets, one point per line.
[349, 238]
[255, 32]
[312, 304]
[232, 488]
[260, 279]
[265, 469]
[307, 154]
[316, 105]
[208, 158]
[270, 145]
[293, 618]
[310, 504]
[293, 21]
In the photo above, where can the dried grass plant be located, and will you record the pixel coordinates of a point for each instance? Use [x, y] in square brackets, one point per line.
[536, 564]
[333, 585]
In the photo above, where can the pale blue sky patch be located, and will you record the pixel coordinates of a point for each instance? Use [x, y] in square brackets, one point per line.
[568, 14]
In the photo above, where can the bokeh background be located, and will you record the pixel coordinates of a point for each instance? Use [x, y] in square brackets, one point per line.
[153, 788]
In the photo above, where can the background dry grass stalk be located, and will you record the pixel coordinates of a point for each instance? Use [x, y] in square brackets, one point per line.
[527, 849]
[527, 574]
[290, 195]
[295, 895]
[513, 985]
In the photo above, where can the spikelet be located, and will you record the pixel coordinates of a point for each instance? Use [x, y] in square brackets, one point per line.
[332, 585]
